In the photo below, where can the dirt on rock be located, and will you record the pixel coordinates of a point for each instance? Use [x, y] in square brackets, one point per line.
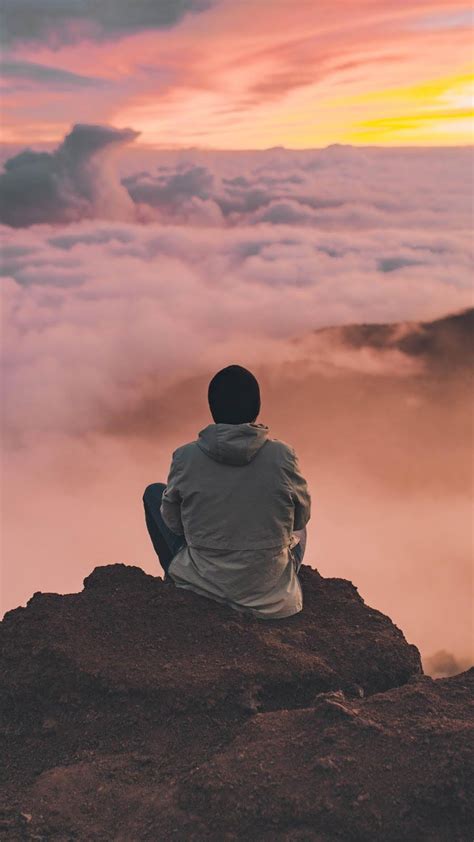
[137, 711]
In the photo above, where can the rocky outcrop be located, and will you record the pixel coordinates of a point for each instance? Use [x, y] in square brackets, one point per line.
[137, 711]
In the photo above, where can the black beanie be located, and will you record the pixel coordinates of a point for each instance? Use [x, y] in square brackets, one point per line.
[234, 396]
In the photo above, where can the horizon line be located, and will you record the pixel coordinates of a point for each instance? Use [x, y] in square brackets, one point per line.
[277, 147]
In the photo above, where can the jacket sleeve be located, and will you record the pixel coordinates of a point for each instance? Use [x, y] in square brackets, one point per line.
[170, 508]
[299, 493]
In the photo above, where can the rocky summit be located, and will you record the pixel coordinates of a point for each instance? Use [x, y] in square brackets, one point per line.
[136, 711]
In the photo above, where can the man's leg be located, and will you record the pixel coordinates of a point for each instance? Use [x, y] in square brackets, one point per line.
[165, 542]
[298, 549]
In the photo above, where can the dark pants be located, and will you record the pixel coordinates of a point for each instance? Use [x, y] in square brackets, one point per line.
[167, 543]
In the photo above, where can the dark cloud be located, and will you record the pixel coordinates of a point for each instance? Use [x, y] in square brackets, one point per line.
[284, 212]
[67, 21]
[39, 74]
[100, 236]
[390, 264]
[170, 189]
[68, 184]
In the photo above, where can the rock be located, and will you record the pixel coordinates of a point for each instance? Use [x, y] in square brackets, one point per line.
[425, 793]
[135, 710]
[128, 632]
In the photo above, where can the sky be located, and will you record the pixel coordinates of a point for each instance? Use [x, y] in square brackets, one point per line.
[192, 184]
[240, 74]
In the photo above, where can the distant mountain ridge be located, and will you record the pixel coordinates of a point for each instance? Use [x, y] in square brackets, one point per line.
[446, 343]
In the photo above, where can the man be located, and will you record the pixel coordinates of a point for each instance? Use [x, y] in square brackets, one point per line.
[230, 523]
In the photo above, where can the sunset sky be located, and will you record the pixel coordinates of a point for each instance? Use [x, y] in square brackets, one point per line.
[236, 74]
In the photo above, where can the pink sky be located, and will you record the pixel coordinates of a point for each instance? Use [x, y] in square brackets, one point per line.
[247, 74]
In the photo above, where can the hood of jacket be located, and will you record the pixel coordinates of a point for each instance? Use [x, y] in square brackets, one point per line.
[232, 444]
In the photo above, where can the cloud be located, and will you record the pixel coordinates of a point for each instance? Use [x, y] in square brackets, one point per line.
[443, 664]
[461, 18]
[162, 190]
[284, 212]
[181, 196]
[67, 21]
[390, 264]
[113, 301]
[337, 188]
[75, 181]
[39, 74]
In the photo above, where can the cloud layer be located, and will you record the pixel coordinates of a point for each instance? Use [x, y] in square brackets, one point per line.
[131, 290]
[206, 251]
[338, 188]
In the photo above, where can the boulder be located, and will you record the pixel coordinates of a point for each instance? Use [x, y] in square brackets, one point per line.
[138, 711]
[129, 633]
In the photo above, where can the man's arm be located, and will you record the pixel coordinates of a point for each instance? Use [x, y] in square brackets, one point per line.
[170, 508]
[299, 493]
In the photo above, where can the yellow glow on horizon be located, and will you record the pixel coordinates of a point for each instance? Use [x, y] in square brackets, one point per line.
[432, 112]
[427, 91]
[419, 113]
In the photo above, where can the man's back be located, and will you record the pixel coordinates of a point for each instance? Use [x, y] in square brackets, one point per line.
[237, 496]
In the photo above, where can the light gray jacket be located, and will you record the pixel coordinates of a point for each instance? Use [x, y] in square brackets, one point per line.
[237, 496]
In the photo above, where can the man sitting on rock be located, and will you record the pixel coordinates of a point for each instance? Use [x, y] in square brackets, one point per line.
[230, 523]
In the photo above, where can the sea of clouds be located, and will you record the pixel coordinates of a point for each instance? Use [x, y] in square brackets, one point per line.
[131, 275]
